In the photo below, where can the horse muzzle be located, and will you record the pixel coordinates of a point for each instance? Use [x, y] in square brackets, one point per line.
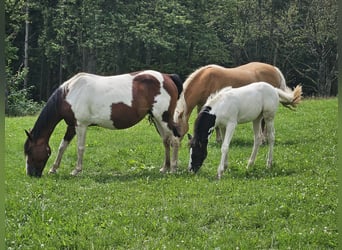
[33, 172]
[193, 169]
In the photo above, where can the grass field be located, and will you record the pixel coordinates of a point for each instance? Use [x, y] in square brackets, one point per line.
[120, 201]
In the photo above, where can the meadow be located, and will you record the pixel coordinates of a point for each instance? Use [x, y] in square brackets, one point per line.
[121, 201]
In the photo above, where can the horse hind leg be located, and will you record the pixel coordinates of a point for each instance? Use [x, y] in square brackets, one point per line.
[218, 135]
[69, 135]
[271, 139]
[263, 131]
[257, 141]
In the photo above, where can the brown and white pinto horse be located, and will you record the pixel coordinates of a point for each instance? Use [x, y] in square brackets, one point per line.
[113, 102]
[211, 78]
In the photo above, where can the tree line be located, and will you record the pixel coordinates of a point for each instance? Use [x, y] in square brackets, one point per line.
[49, 41]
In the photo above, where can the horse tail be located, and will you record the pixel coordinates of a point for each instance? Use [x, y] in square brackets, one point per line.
[290, 99]
[179, 83]
[283, 85]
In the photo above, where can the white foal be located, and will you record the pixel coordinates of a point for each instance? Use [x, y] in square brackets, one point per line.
[232, 106]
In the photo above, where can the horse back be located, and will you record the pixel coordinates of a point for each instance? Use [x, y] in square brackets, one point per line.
[216, 78]
[121, 101]
[244, 104]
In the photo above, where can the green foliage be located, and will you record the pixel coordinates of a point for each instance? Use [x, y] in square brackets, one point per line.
[112, 37]
[121, 201]
[18, 99]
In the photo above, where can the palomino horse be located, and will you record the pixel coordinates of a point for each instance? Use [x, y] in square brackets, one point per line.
[114, 102]
[208, 80]
[230, 107]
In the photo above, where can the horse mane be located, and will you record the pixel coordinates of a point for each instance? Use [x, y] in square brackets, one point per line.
[181, 104]
[194, 74]
[204, 124]
[217, 93]
[49, 114]
[179, 83]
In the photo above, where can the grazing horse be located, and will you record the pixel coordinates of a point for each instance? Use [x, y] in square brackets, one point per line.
[230, 107]
[208, 80]
[113, 102]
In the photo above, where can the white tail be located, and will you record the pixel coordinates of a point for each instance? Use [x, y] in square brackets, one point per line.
[290, 98]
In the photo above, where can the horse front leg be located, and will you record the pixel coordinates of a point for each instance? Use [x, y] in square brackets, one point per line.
[69, 135]
[81, 135]
[166, 165]
[224, 149]
[257, 141]
[175, 144]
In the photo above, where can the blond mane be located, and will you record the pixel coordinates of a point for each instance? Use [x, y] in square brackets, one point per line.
[181, 104]
[196, 72]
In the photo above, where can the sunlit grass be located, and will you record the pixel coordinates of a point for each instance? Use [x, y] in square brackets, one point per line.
[120, 201]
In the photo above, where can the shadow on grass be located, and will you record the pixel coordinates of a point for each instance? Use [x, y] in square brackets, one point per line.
[239, 142]
[254, 173]
[258, 171]
[111, 176]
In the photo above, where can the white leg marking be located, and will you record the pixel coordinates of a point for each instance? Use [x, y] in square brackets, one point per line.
[81, 135]
[257, 141]
[175, 142]
[63, 145]
[225, 147]
[271, 139]
[166, 135]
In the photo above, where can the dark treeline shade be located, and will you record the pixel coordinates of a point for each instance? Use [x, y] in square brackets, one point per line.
[105, 37]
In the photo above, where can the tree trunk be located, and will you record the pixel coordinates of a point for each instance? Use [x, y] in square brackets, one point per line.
[60, 69]
[26, 46]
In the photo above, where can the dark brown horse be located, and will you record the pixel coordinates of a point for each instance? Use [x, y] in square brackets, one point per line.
[114, 102]
[208, 80]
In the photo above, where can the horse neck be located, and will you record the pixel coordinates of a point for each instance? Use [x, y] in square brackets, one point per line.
[192, 95]
[204, 125]
[43, 128]
[48, 118]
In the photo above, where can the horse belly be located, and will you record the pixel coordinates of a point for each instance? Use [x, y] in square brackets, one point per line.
[250, 107]
[249, 114]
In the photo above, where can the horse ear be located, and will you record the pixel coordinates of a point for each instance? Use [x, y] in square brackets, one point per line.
[189, 137]
[29, 135]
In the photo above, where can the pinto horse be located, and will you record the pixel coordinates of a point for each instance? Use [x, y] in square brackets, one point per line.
[113, 102]
[208, 80]
[230, 107]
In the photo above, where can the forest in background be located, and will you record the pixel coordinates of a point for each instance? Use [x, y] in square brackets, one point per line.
[49, 41]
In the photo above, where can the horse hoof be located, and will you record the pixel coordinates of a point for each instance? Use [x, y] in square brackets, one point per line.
[218, 177]
[52, 171]
[173, 170]
[75, 172]
[163, 170]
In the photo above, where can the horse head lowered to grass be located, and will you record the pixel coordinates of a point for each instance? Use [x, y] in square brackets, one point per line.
[230, 107]
[113, 102]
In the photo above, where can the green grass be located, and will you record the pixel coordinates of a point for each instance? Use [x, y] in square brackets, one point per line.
[120, 201]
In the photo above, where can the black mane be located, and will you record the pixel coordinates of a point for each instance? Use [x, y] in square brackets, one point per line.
[49, 116]
[204, 124]
[179, 83]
